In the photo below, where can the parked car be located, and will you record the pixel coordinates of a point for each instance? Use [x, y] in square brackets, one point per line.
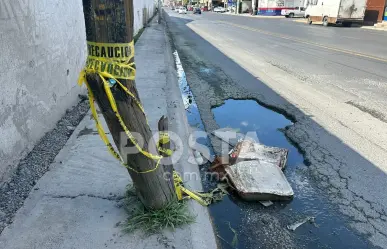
[190, 8]
[336, 12]
[177, 9]
[182, 10]
[204, 8]
[197, 10]
[296, 12]
[219, 9]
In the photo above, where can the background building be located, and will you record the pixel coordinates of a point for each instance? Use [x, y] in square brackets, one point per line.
[375, 11]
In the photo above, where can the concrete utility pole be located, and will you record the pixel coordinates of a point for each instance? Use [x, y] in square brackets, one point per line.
[237, 7]
[111, 21]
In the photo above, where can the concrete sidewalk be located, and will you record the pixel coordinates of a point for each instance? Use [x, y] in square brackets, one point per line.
[78, 203]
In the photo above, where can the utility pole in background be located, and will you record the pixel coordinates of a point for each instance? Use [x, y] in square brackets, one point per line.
[111, 21]
[159, 9]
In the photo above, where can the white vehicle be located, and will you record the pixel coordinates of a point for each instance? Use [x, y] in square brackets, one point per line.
[336, 11]
[177, 9]
[182, 10]
[219, 9]
[296, 12]
[231, 8]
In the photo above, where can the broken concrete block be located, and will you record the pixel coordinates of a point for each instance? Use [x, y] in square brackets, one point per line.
[259, 181]
[248, 150]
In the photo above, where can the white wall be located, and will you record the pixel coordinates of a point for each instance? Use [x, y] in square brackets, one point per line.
[42, 50]
[138, 12]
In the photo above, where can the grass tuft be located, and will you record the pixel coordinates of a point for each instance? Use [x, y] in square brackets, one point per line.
[174, 215]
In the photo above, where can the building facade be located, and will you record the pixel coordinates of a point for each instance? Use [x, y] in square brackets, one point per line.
[375, 11]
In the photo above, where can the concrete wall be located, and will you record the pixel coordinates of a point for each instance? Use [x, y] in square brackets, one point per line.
[139, 12]
[42, 50]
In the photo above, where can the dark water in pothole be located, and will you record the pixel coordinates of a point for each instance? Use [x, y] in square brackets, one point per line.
[256, 226]
[265, 227]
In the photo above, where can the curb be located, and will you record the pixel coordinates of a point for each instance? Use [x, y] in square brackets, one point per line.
[202, 231]
[373, 28]
[362, 27]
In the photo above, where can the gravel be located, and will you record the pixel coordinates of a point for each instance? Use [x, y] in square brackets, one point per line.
[37, 162]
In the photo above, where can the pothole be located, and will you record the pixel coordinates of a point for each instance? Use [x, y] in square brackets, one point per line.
[265, 227]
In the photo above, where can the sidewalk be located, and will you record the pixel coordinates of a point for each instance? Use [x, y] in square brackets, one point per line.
[78, 203]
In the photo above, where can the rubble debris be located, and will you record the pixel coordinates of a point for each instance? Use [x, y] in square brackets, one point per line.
[249, 150]
[199, 158]
[255, 172]
[295, 225]
[219, 165]
[259, 180]
[216, 194]
[266, 203]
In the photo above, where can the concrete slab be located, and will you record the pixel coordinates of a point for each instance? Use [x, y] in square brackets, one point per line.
[254, 151]
[259, 181]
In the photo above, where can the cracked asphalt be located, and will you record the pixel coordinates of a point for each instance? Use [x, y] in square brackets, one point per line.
[334, 99]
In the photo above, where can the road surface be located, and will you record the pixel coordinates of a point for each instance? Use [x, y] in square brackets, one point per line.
[331, 83]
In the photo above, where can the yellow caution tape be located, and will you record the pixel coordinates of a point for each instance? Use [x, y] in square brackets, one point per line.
[119, 54]
[110, 147]
[117, 69]
[115, 51]
[111, 58]
[180, 189]
[112, 61]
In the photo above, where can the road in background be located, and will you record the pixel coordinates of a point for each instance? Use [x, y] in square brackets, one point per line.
[331, 82]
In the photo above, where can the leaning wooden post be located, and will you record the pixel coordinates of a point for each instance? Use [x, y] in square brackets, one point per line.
[111, 21]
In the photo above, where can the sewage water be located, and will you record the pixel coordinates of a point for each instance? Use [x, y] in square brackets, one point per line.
[240, 224]
[257, 225]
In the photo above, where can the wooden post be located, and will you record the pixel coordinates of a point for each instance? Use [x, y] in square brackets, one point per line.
[111, 21]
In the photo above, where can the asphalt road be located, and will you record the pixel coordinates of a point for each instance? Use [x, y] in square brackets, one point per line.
[331, 82]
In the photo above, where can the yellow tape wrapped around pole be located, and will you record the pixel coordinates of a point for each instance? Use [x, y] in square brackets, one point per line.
[112, 60]
[120, 58]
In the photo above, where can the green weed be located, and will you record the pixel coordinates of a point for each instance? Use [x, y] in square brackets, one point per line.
[173, 215]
